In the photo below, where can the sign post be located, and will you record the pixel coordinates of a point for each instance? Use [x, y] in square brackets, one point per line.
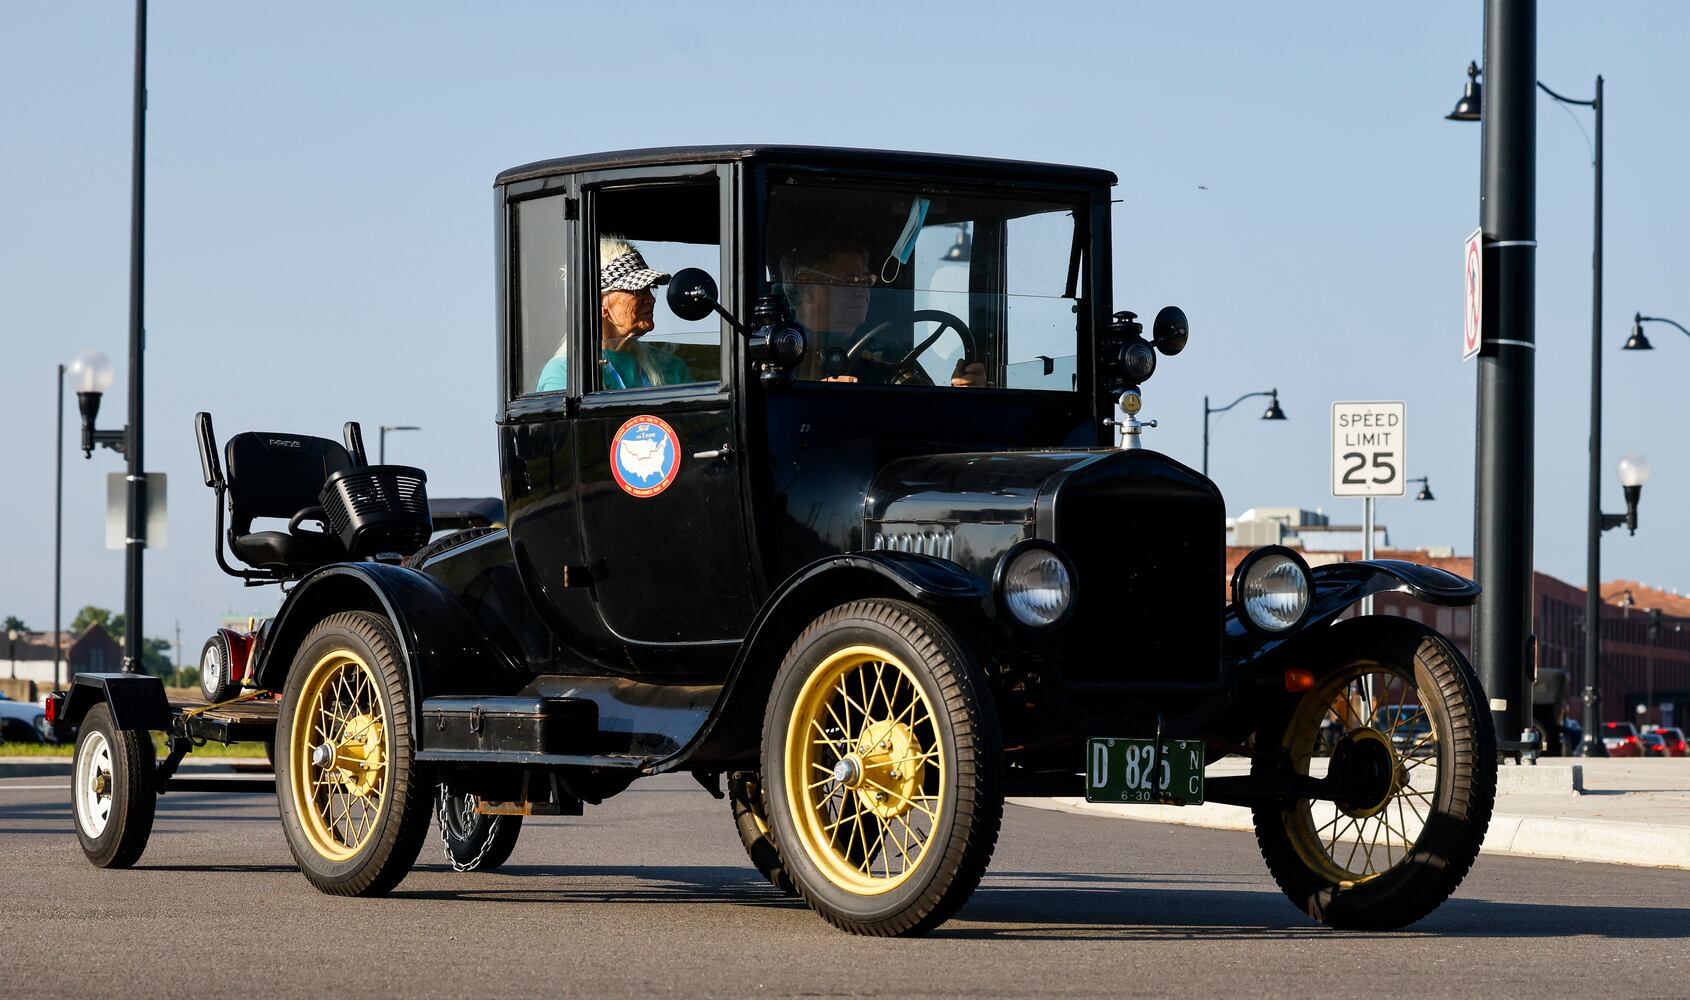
[1369, 459]
[1473, 313]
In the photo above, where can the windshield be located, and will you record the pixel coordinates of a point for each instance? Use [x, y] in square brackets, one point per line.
[943, 286]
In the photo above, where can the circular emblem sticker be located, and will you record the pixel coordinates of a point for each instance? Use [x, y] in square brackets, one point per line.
[645, 454]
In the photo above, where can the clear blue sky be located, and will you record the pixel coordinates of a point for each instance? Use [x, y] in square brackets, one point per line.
[320, 224]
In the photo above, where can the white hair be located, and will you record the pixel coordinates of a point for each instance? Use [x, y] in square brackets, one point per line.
[612, 247]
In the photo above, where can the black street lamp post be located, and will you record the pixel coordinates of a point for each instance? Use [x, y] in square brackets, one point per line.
[1273, 413]
[58, 527]
[1468, 108]
[1425, 488]
[12, 650]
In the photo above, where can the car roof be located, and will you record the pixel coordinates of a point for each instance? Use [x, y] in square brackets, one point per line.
[824, 156]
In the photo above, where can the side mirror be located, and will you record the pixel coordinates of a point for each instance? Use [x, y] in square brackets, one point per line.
[692, 294]
[1170, 330]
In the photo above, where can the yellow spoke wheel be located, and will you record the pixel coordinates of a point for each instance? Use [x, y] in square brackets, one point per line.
[883, 768]
[340, 754]
[865, 769]
[1397, 733]
[355, 805]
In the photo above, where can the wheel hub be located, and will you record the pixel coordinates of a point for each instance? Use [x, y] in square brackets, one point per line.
[889, 758]
[101, 784]
[1367, 772]
[358, 758]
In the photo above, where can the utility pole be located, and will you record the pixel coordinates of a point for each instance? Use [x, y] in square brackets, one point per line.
[1502, 530]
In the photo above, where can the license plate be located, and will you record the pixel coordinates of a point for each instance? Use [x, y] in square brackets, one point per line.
[1120, 770]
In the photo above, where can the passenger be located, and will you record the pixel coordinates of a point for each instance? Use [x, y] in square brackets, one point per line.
[626, 301]
[829, 286]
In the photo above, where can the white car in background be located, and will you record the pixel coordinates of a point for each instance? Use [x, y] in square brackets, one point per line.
[23, 722]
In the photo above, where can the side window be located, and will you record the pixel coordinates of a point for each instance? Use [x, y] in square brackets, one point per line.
[640, 237]
[541, 296]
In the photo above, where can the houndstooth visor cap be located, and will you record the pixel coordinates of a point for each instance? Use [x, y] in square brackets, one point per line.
[628, 273]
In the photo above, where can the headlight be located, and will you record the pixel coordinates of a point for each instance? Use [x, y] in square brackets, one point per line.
[1272, 588]
[1035, 585]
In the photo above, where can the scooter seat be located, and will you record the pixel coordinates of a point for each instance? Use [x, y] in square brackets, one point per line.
[284, 550]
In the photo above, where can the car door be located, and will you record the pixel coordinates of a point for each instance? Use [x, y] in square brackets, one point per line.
[657, 454]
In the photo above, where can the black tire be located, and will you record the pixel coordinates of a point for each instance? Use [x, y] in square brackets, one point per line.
[922, 674]
[364, 842]
[1449, 772]
[745, 796]
[471, 841]
[216, 684]
[113, 790]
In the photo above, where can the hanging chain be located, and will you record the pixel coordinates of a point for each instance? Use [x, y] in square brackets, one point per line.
[446, 842]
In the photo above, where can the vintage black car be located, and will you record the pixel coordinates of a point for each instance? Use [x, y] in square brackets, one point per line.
[855, 526]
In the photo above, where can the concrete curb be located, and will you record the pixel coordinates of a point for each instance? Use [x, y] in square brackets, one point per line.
[1614, 842]
[60, 767]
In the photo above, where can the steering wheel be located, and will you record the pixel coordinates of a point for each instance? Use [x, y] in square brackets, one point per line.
[905, 371]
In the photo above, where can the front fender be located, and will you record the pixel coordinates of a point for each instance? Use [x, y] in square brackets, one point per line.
[444, 650]
[1337, 586]
[938, 585]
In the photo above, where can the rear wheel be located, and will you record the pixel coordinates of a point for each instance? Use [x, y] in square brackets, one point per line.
[881, 749]
[1413, 770]
[113, 790]
[354, 806]
[472, 841]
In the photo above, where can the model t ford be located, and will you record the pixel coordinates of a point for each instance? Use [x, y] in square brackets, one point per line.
[863, 529]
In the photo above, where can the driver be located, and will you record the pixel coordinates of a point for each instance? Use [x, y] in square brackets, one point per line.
[829, 287]
[626, 302]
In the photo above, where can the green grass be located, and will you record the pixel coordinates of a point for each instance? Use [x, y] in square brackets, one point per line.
[67, 749]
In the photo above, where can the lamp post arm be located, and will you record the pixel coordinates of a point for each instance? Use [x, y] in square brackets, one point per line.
[1564, 100]
[1663, 319]
[1240, 399]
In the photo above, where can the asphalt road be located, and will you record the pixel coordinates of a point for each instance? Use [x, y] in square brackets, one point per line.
[650, 894]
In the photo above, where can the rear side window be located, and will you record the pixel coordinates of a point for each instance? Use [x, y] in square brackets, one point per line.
[541, 293]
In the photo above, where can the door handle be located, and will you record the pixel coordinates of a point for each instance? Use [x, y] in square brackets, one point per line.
[725, 451]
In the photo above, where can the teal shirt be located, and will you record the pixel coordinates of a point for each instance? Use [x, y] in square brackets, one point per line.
[622, 370]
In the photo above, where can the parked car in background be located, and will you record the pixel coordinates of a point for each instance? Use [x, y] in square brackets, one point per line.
[1653, 745]
[1621, 739]
[1673, 740]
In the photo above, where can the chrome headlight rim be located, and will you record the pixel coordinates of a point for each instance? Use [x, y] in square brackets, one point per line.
[1238, 575]
[1000, 580]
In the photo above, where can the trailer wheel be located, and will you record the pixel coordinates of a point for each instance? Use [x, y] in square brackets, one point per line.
[885, 769]
[471, 841]
[745, 795]
[1415, 765]
[113, 790]
[354, 804]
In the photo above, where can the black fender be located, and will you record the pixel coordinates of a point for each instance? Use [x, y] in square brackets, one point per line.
[1337, 586]
[443, 648]
[735, 723]
[137, 701]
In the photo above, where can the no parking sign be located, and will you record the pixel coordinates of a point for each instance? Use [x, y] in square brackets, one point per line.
[1472, 317]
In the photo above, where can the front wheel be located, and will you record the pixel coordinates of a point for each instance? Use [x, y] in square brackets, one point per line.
[1397, 728]
[113, 790]
[884, 769]
[354, 806]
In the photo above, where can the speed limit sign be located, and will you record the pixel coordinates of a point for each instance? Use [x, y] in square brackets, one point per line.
[1369, 449]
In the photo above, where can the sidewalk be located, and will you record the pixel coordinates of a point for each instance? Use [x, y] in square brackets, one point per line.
[1624, 812]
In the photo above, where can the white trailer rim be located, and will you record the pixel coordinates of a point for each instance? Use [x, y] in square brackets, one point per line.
[93, 792]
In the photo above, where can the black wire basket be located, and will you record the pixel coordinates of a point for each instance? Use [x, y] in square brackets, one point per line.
[378, 509]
